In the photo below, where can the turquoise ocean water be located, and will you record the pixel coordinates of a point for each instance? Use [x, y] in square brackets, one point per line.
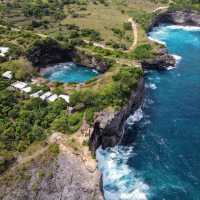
[163, 163]
[68, 72]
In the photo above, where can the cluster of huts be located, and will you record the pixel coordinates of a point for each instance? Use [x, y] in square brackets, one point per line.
[24, 87]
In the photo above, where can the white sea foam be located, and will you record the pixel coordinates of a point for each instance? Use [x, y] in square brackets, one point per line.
[156, 40]
[151, 86]
[119, 181]
[170, 68]
[177, 58]
[136, 117]
[185, 28]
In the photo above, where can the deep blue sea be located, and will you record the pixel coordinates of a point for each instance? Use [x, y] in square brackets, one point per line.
[68, 72]
[163, 163]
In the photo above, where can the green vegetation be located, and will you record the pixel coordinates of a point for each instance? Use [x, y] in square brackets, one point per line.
[114, 94]
[24, 121]
[28, 25]
[185, 5]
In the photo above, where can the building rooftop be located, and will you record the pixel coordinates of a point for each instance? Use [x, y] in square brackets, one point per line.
[7, 74]
[65, 97]
[3, 51]
[19, 85]
[36, 94]
[27, 89]
[52, 98]
[45, 95]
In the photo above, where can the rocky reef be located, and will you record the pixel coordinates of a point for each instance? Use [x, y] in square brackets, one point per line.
[108, 126]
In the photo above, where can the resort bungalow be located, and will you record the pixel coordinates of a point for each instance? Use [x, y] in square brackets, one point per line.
[46, 95]
[27, 89]
[3, 51]
[65, 97]
[36, 94]
[7, 75]
[19, 85]
[52, 98]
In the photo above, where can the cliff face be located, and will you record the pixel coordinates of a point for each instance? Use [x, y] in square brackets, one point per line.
[189, 18]
[108, 127]
[63, 177]
[161, 61]
[90, 60]
[49, 52]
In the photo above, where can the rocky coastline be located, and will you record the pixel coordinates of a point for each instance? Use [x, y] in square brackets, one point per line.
[108, 126]
[184, 18]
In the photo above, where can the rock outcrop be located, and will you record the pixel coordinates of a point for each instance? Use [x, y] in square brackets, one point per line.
[108, 126]
[47, 52]
[186, 18]
[62, 178]
[161, 61]
[90, 60]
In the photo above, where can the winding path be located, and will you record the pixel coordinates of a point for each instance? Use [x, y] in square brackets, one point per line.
[135, 34]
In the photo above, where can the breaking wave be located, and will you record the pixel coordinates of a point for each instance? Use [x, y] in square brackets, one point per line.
[120, 182]
[151, 86]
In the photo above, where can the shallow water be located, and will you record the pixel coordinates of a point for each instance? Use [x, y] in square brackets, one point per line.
[163, 163]
[68, 72]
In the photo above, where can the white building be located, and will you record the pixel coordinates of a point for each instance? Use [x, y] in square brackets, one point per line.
[3, 51]
[65, 97]
[7, 74]
[36, 94]
[19, 85]
[27, 89]
[46, 95]
[52, 98]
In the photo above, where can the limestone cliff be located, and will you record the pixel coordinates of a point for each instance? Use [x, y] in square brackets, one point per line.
[108, 126]
[186, 18]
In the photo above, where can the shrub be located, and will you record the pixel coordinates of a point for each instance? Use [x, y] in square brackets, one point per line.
[143, 51]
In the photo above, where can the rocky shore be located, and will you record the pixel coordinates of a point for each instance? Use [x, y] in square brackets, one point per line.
[185, 18]
[161, 61]
[108, 126]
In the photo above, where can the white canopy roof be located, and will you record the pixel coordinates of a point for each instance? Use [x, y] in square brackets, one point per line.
[3, 51]
[36, 94]
[27, 89]
[19, 85]
[7, 74]
[52, 98]
[46, 95]
[65, 97]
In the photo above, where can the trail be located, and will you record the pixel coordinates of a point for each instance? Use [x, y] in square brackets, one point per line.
[135, 34]
[162, 7]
